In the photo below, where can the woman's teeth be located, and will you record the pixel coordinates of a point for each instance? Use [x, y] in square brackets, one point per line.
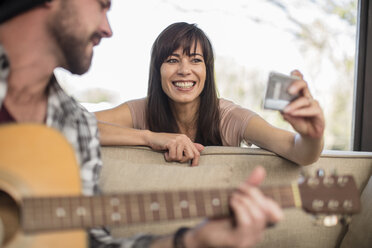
[184, 85]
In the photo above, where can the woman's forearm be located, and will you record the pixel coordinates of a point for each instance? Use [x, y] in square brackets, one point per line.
[112, 134]
[307, 150]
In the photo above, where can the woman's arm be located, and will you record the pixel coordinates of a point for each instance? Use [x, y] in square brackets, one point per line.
[305, 116]
[300, 149]
[116, 128]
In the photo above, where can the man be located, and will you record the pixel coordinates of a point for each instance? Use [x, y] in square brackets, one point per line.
[36, 36]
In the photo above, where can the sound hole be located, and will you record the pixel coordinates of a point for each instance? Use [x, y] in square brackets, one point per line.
[9, 216]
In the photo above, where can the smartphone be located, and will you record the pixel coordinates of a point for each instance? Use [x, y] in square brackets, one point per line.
[277, 96]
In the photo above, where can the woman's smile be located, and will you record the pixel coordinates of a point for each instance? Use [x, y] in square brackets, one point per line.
[184, 85]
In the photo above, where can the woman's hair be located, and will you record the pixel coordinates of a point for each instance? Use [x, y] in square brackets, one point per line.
[159, 115]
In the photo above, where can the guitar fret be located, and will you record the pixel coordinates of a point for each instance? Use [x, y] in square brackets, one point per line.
[176, 205]
[76, 212]
[192, 204]
[66, 220]
[169, 205]
[47, 212]
[141, 207]
[116, 215]
[163, 215]
[135, 212]
[57, 216]
[59, 212]
[184, 204]
[91, 211]
[215, 202]
[42, 213]
[225, 195]
[29, 220]
[97, 210]
[38, 214]
[103, 204]
[128, 208]
[106, 210]
[54, 221]
[147, 215]
[155, 207]
[109, 213]
[87, 218]
[80, 211]
[208, 206]
[69, 207]
[122, 210]
[199, 201]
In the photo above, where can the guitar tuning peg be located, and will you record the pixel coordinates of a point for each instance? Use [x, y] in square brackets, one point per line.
[302, 177]
[327, 221]
[330, 220]
[345, 219]
[320, 173]
[318, 220]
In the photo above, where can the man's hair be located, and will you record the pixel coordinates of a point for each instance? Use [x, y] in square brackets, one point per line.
[12, 8]
[158, 112]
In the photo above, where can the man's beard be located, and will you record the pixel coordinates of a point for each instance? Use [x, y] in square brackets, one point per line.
[72, 42]
[74, 51]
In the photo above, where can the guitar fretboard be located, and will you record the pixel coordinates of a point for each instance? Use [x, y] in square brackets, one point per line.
[56, 213]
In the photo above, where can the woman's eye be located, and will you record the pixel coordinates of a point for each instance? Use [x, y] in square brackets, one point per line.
[171, 61]
[195, 60]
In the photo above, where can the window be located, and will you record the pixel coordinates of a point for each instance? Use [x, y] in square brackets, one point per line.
[250, 39]
[362, 140]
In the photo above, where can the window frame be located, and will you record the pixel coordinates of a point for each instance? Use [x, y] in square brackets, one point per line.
[362, 112]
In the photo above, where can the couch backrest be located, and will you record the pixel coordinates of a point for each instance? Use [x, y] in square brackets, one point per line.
[141, 169]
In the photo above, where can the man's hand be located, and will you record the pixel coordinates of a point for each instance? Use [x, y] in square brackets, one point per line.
[252, 213]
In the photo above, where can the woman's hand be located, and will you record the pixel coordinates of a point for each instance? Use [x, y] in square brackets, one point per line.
[304, 113]
[179, 147]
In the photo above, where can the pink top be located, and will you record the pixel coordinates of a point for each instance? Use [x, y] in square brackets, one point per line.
[234, 119]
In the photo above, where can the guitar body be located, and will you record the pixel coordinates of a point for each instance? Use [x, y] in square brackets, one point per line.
[35, 161]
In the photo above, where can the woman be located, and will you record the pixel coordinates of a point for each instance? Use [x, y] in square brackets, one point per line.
[181, 113]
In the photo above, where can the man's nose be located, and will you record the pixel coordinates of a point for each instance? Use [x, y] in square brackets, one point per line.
[105, 28]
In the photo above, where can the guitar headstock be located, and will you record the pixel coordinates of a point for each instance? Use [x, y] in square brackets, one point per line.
[329, 195]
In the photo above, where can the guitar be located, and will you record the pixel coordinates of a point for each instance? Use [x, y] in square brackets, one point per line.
[41, 203]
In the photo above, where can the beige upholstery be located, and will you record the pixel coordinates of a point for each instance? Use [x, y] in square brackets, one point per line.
[360, 229]
[141, 169]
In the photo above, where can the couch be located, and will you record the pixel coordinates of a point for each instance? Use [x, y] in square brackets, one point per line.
[128, 169]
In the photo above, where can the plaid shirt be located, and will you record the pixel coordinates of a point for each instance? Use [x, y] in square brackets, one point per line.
[80, 128]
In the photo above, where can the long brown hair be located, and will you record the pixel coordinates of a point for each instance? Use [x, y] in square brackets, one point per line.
[159, 114]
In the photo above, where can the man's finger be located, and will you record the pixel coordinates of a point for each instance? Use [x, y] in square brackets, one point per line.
[257, 176]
